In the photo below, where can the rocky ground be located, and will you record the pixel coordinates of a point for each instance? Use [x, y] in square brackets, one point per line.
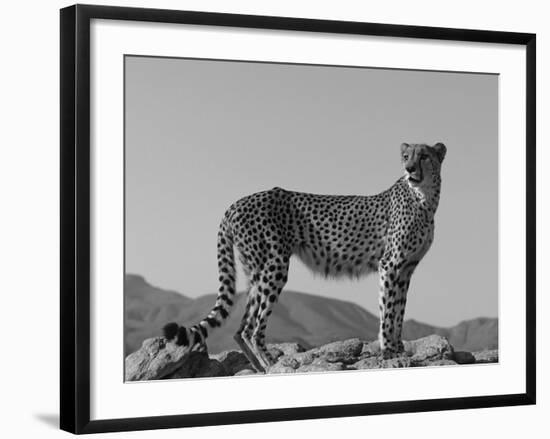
[157, 359]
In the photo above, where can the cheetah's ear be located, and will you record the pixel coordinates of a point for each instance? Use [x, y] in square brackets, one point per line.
[404, 147]
[440, 150]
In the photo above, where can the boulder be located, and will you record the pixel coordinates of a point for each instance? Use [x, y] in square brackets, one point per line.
[198, 365]
[304, 357]
[321, 365]
[345, 351]
[155, 360]
[367, 363]
[245, 372]
[438, 363]
[233, 361]
[158, 359]
[285, 348]
[370, 349]
[430, 348]
[463, 357]
[381, 363]
[486, 356]
[280, 368]
[288, 361]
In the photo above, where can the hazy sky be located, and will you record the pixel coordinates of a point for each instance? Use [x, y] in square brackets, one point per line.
[201, 134]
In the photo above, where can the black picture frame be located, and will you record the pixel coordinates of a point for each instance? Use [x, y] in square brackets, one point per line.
[75, 216]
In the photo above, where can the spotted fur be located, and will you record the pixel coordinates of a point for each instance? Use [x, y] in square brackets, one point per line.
[335, 235]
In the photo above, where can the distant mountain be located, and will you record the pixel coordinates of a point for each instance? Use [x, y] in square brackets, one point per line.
[298, 317]
[145, 307]
[469, 335]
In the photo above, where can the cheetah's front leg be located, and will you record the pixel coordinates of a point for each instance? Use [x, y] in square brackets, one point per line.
[402, 288]
[394, 286]
[387, 299]
[399, 312]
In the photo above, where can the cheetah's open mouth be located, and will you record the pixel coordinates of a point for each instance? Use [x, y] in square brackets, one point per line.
[416, 178]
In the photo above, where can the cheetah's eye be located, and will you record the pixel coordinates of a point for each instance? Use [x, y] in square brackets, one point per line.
[405, 157]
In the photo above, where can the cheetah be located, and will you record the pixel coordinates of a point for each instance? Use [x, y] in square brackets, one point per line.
[335, 235]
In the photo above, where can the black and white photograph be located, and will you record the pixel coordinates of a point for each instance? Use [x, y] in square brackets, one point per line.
[272, 218]
[275, 219]
[285, 218]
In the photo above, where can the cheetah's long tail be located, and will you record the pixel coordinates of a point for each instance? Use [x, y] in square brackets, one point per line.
[197, 334]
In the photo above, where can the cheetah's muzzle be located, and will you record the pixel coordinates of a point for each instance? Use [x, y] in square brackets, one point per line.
[417, 176]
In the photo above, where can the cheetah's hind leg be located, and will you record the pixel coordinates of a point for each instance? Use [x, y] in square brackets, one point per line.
[248, 353]
[241, 337]
[269, 287]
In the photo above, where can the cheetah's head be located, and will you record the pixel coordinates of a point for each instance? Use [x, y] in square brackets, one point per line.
[421, 162]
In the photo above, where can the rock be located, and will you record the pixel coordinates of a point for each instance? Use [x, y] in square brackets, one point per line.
[304, 357]
[398, 362]
[380, 363]
[245, 372]
[287, 348]
[158, 359]
[155, 360]
[408, 347]
[287, 361]
[340, 351]
[486, 356]
[275, 352]
[432, 347]
[463, 357]
[213, 369]
[280, 368]
[439, 363]
[198, 365]
[321, 366]
[370, 349]
[233, 361]
[401, 361]
[367, 363]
